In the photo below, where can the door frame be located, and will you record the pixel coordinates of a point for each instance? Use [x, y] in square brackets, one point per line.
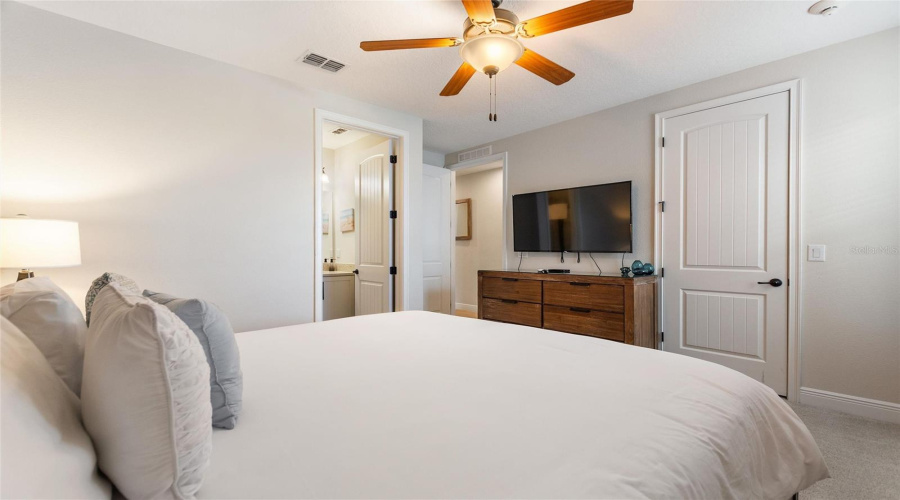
[507, 208]
[401, 203]
[795, 259]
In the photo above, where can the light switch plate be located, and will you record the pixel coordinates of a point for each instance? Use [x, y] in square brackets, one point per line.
[815, 253]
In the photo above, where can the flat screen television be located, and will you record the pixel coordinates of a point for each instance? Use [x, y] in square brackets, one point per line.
[582, 219]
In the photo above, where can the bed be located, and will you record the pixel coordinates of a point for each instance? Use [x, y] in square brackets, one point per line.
[422, 405]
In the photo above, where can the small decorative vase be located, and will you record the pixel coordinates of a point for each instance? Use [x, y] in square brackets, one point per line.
[636, 267]
[648, 269]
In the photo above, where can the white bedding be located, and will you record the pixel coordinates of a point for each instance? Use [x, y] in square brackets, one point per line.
[421, 405]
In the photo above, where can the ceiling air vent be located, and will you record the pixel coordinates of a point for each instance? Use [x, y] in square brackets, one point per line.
[338, 131]
[332, 66]
[474, 154]
[322, 62]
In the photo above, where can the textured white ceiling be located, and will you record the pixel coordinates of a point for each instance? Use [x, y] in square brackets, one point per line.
[660, 46]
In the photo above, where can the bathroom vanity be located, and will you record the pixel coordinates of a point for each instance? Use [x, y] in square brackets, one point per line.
[338, 294]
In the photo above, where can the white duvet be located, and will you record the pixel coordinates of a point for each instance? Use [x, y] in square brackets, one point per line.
[421, 405]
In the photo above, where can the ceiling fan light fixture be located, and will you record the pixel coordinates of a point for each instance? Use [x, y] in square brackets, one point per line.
[491, 53]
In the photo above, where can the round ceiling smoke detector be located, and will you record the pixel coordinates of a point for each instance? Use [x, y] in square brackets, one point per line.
[824, 8]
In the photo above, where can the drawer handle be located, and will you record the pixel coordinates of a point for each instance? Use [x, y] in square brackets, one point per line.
[579, 310]
[580, 284]
[510, 279]
[508, 301]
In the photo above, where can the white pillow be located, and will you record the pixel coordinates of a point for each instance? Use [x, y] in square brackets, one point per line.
[125, 283]
[46, 451]
[145, 397]
[49, 317]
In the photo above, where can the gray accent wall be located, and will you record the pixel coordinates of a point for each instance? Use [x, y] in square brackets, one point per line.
[850, 195]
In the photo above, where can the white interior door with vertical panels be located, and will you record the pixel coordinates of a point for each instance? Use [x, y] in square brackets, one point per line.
[374, 284]
[725, 173]
[436, 242]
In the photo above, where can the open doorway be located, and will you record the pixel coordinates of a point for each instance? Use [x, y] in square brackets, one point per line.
[464, 211]
[479, 229]
[358, 210]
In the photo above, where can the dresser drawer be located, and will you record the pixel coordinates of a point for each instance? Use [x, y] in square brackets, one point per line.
[511, 311]
[585, 295]
[585, 321]
[512, 289]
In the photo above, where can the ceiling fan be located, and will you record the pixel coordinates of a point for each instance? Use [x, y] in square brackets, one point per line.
[491, 41]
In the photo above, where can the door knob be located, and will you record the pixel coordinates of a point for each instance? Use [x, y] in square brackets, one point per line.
[356, 271]
[774, 282]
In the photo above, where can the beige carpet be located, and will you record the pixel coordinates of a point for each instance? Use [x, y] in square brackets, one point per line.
[466, 314]
[863, 455]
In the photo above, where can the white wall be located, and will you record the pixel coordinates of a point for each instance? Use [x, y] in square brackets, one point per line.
[432, 158]
[850, 183]
[485, 249]
[192, 176]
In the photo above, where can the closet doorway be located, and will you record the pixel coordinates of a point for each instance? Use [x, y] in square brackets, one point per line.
[358, 220]
[727, 233]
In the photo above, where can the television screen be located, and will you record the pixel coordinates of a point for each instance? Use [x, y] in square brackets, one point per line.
[584, 219]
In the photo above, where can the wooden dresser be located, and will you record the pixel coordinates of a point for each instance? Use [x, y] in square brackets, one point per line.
[608, 307]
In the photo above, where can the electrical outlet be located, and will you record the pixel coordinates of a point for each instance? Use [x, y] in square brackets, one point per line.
[815, 253]
[338, 253]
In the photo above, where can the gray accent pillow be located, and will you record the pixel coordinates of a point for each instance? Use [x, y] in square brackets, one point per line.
[212, 328]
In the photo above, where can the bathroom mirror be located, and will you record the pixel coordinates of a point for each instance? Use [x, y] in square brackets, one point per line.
[464, 219]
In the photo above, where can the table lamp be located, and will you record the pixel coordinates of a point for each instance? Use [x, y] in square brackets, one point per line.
[32, 243]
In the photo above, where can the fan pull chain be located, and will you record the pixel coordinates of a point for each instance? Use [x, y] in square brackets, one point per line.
[496, 81]
[490, 97]
[492, 86]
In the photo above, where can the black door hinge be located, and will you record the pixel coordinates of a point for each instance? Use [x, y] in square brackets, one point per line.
[662, 206]
[662, 272]
[393, 158]
[393, 214]
[663, 142]
[662, 336]
[393, 269]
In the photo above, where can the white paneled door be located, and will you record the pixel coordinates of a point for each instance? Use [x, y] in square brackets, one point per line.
[374, 284]
[436, 242]
[725, 236]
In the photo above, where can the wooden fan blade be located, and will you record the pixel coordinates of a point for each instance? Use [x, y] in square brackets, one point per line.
[480, 11]
[544, 68]
[419, 43]
[459, 80]
[576, 15]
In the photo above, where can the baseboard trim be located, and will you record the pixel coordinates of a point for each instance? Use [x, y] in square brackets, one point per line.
[854, 405]
[466, 307]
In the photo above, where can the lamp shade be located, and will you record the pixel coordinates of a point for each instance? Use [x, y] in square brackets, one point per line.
[31, 243]
[494, 50]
